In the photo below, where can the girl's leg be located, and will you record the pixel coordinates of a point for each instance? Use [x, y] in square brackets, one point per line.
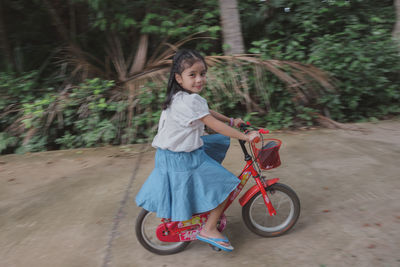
[210, 227]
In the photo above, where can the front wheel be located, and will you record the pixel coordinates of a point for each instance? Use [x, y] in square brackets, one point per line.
[146, 225]
[286, 203]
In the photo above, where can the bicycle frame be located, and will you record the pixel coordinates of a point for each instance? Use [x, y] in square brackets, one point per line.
[171, 231]
[248, 171]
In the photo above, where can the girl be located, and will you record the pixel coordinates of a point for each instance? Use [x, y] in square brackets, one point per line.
[185, 179]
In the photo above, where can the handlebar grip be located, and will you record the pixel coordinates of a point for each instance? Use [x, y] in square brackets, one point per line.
[243, 127]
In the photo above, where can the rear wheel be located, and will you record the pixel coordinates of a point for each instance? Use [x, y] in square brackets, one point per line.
[287, 205]
[146, 225]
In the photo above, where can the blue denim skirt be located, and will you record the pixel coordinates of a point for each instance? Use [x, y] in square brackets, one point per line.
[186, 183]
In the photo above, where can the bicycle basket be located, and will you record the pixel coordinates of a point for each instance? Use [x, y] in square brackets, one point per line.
[267, 156]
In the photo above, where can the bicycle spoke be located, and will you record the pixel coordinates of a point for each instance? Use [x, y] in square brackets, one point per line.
[260, 214]
[286, 204]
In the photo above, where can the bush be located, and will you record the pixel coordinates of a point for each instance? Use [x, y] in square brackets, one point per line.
[349, 39]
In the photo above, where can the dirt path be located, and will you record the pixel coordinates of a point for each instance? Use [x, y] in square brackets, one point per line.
[75, 208]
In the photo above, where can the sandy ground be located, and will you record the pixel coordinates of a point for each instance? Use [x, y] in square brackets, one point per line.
[75, 208]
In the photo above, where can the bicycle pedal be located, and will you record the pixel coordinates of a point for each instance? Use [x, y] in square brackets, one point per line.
[215, 248]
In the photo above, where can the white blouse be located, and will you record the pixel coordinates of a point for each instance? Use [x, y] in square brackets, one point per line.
[180, 127]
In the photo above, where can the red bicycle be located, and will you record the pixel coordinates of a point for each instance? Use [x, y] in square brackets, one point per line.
[269, 208]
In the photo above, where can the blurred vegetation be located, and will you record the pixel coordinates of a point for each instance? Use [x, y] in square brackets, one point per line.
[89, 73]
[349, 39]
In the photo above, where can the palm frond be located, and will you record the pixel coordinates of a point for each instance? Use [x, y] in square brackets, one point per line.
[228, 77]
[306, 82]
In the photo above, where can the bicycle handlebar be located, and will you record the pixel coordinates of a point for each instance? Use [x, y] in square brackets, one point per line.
[245, 128]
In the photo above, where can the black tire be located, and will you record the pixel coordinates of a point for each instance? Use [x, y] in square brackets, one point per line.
[256, 216]
[146, 225]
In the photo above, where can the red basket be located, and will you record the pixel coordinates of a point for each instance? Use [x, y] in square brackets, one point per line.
[267, 156]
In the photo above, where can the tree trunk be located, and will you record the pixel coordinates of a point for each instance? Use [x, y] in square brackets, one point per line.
[4, 44]
[396, 30]
[141, 54]
[231, 30]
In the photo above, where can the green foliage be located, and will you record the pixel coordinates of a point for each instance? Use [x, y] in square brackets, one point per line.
[367, 69]
[16, 90]
[163, 20]
[35, 144]
[86, 116]
[349, 39]
[81, 119]
[7, 141]
[38, 42]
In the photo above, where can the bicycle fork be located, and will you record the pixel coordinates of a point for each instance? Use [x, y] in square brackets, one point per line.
[267, 201]
[260, 186]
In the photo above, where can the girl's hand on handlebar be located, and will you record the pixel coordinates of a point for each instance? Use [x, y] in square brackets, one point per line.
[237, 122]
[252, 135]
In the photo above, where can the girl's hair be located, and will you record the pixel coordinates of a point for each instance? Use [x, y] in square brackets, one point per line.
[182, 60]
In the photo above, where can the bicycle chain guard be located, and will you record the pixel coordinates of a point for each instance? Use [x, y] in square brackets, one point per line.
[184, 231]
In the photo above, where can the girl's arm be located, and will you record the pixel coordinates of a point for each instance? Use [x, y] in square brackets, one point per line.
[220, 116]
[224, 118]
[224, 129]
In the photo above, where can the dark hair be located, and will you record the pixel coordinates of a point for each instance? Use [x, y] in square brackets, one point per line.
[182, 60]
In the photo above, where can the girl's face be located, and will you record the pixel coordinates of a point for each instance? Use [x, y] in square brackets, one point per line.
[193, 78]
